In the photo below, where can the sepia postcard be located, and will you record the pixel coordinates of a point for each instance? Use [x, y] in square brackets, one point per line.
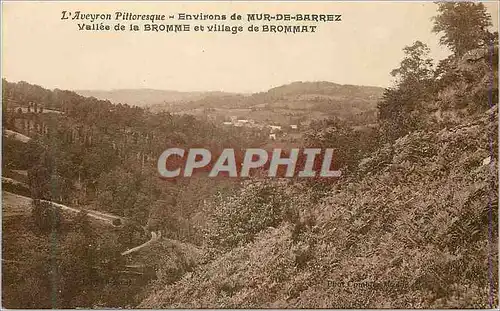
[249, 155]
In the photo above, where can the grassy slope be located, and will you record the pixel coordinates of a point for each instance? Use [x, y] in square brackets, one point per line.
[412, 233]
[13, 204]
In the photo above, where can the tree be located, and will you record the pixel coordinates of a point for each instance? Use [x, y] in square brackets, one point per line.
[401, 105]
[82, 224]
[77, 266]
[46, 217]
[416, 67]
[464, 26]
[39, 182]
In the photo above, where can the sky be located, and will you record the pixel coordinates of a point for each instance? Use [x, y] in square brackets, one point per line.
[41, 48]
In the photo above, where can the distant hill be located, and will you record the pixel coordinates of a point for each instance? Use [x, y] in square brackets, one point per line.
[327, 88]
[287, 104]
[326, 97]
[146, 97]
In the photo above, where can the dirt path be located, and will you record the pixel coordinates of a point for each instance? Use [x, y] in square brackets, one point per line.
[18, 136]
[13, 202]
[154, 237]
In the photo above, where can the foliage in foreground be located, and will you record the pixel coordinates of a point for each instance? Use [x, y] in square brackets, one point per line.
[376, 238]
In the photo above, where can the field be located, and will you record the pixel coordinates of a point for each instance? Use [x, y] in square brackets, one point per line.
[13, 204]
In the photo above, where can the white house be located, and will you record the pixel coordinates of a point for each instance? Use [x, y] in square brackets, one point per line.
[275, 128]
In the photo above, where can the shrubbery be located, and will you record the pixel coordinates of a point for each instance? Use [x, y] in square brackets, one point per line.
[235, 220]
[414, 226]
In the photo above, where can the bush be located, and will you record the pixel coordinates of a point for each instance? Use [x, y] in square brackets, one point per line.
[235, 220]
